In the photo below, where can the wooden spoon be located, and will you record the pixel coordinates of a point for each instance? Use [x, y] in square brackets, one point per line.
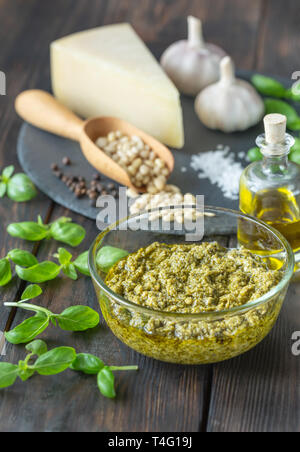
[42, 110]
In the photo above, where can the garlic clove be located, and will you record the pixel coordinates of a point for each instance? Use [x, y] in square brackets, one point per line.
[192, 64]
[231, 104]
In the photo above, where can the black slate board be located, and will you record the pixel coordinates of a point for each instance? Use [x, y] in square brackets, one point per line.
[38, 149]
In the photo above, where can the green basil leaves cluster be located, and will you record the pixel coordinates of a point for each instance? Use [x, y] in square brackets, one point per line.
[279, 106]
[268, 86]
[108, 256]
[62, 230]
[29, 269]
[70, 267]
[17, 187]
[50, 362]
[56, 361]
[74, 318]
[92, 365]
[18, 257]
[255, 155]
[275, 92]
[47, 270]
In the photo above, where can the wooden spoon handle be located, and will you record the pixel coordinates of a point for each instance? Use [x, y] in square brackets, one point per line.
[42, 110]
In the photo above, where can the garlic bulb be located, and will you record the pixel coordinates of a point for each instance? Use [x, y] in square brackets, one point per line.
[231, 104]
[192, 64]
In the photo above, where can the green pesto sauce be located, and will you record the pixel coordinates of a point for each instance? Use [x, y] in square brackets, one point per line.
[191, 279]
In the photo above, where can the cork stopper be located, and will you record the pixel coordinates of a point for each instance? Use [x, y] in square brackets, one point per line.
[275, 128]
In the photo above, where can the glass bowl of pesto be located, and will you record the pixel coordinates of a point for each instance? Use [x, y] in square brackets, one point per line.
[180, 299]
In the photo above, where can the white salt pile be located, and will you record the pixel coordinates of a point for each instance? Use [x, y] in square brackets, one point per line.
[220, 167]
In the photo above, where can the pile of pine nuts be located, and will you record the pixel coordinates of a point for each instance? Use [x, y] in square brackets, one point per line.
[145, 169]
[170, 196]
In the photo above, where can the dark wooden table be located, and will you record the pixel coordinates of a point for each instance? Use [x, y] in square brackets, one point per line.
[259, 391]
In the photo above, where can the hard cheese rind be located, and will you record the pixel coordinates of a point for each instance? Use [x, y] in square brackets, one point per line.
[108, 71]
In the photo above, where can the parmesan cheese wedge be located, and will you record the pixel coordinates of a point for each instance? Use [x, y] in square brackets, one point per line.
[108, 71]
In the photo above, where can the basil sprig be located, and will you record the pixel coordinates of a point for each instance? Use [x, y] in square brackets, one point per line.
[18, 187]
[50, 362]
[47, 270]
[282, 107]
[254, 154]
[268, 86]
[56, 361]
[108, 256]
[90, 364]
[62, 230]
[74, 318]
[39, 273]
[19, 257]
[70, 267]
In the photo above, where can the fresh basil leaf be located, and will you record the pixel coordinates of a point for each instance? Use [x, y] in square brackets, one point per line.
[279, 106]
[81, 263]
[28, 330]
[55, 361]
[268, 86]
[5, 272]
[37, 347]
[294, 125]
[8, 172]
[31, 291]
[25, 374]
[106, 382]
[295, 156]
[64, 256]
[108, 256]
[20, 188]
[293, 93]
[28, 230]
[70, 233]
[40, 221]
[296, 146]
[254, 155]
[23, 258]
[3, 187]
[45, 271]
[78, 318]
[8, 374]
[70, 271]
[87, 363]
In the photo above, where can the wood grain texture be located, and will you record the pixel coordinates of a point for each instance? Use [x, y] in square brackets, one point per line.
[9, 125]
[161, 22]
[160, 397]
[279, 43]
[260, 390]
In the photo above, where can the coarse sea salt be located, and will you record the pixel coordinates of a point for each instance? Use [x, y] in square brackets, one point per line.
[220, 167]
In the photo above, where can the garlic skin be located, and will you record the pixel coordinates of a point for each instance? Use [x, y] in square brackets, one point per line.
[231, 104]
[192, 64]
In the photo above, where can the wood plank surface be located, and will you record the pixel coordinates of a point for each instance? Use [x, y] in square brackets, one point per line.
[160, 23]
[16, 81]
[255, 392]
[73, 402]
[279, 42]
[260, 390]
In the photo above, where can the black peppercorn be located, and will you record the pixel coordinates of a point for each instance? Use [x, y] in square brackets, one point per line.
[66, 161]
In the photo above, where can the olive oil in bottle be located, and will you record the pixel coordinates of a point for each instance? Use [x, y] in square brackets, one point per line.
[270, 189]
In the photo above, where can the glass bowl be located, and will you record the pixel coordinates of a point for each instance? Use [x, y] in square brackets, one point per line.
[203, 337]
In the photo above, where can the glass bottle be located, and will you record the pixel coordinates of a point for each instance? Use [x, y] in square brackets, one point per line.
[270, 189]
